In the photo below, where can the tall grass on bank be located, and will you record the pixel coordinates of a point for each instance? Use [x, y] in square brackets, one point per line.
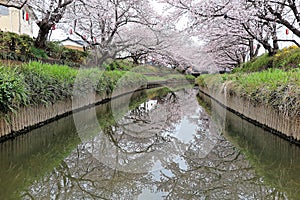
[36, 83]
[13, 91]
[287, 58]
[275, 87]
[47, 83]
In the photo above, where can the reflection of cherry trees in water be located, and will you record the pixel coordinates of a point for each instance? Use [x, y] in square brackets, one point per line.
[153, 117]
[147, 150]
[152, 134]
[143, 137]
[81, 176]
[223, 174]
[149, 122]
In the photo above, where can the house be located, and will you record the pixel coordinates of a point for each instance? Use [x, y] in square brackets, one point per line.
[74, 44]
[20, 21]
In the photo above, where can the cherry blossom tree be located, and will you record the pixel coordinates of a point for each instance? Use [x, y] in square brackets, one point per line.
[284, 12]
[145, 41]
[49, 13]
[46, 13]
[164, 45]
[231, 30]
[103, 24]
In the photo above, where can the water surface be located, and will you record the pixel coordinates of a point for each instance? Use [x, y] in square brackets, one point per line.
[151, 145]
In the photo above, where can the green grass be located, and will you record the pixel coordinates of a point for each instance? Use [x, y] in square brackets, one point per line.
[275, 87]
[287, 58]
[151, 73]
[47, 83]
[170, 77]
[154, 70]
[260, 63]
[122, 65]
[36, 83]
[13, 92]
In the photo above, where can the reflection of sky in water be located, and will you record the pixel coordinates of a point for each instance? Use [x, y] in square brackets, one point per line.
[185, 130]
[151, 195]
[156, 176]
[151, 104]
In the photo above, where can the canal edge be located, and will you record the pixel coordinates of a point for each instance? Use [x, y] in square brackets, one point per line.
[272, 130]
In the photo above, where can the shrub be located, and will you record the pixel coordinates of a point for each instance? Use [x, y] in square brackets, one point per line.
[21, 48]
[56, 51]
[38, 53]
[15, 47]
[287, 58]
[123, 65]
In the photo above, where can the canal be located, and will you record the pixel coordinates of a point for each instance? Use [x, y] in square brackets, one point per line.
[153, 144]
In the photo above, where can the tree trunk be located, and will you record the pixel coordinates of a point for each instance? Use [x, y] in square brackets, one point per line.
[275, 39]
[251, 46]
[135, 59]
[41, 39]
[257, 50]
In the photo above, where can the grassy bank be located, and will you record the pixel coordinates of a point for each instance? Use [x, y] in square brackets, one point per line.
[35, 83]
[286, 59]
[276, 84]
[152, 73]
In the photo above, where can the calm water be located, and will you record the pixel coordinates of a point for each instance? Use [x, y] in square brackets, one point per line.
[151, 145]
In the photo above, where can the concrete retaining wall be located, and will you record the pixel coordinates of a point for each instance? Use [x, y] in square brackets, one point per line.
[258, 113]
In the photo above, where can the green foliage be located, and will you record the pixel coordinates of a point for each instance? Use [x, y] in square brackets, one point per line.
[21, 48]
[38, 83]
[56, 51]
[287, 58]
[71, 55]
[48, 83]
[154, 70]
[275, 87]
[123, 65]
[13, 92]
[189, 77]
[38, 53]
[200, 81]
[258, 64]
[15, 47]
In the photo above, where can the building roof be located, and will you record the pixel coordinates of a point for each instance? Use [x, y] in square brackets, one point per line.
[78, 42]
